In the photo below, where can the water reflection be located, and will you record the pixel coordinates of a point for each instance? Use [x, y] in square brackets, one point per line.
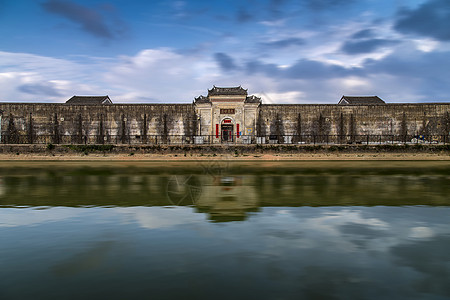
[228, 198]
[162, 236]
[224, 195]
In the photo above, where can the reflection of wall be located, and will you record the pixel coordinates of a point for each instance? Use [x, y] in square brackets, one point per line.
[231, 197]
[46, 189]
[337, 190]
[222, 197]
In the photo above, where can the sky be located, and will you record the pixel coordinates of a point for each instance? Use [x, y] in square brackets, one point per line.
[285, 51]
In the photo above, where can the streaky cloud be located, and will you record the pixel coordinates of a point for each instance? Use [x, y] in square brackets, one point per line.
[302, 69]
[327, 4]
[363, 34]
[46, 89]
[243, 16]
[365, 46]
[431, 19]
[284, 43]
[225, 62]
[90, 20]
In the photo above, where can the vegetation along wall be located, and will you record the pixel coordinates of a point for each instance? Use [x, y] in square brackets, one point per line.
[179, 123]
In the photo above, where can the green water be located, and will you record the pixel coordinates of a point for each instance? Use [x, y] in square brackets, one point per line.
[218, 233]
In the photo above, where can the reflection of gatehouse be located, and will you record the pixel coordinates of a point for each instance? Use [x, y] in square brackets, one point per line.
[227, 198]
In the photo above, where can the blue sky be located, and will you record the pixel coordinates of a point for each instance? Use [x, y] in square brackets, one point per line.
[302, 51]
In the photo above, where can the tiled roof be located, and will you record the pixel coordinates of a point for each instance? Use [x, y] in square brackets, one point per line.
[89, 100]
[219, 91]
[202, 99]
[362, 100]
[227, 91]
[253, 99]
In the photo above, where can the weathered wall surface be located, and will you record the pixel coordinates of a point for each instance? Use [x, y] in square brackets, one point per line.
[389, 119]
[170, 123]
[119, 123]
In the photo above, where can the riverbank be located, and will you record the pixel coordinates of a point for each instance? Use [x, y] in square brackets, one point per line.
[224, 152]
[264, 157]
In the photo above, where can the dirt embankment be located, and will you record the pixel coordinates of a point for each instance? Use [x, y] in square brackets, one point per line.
[235, 152]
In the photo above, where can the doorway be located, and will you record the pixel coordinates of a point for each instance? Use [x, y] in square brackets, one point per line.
[227, 133]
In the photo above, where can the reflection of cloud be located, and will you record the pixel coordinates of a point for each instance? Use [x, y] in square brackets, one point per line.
[361, 234]
[13, 217]
[431, 258]
[363, 230]
[318, 282]
[88, 260]
[338, 229]
[421, 232]
[160, 217]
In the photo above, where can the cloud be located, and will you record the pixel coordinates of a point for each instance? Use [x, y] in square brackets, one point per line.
[243, 15]
[165, 75]
[288, 97]
[256, 66]
[35, 78]
[411, 75]
[275, 8]
[365, 46]
[364, 34]
[311, 69]
[431, 19]
[161, 74]
[47, 89]
[284, 43]
[179, 9]
[302, 69]
[412, 64]
[225, 62]
[90, 20]
[327, 4]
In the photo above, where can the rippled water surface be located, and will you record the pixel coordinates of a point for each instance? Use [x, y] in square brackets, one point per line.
[218, 233]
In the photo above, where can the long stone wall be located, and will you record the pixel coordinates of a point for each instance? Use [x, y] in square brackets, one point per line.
[354, 120]
[177, 123]
[119, 123]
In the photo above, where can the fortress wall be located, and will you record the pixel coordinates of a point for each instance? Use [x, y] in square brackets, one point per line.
[118, 123]
[389, 119]
[141, 123]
